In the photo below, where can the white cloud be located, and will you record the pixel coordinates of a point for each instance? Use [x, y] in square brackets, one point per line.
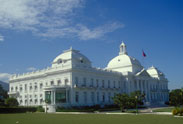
[4, 77]
[1, 38]
[83, 32]
[49, 18]
[31, 69]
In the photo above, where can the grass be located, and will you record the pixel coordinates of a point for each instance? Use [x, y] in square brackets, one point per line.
[41, 118]
[164, 110]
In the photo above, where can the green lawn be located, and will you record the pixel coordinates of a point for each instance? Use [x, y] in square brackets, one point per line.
[36, 118]
[164, 110]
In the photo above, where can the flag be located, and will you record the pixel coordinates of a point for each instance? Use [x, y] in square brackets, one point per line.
[143, 53]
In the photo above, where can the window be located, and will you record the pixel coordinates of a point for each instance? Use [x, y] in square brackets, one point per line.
[118, 84]
[103, 97]
[30, 87]
[16, 88]
[92, 97]
[35, 101]
[21, 88]
[59, 61]
[41, 85]
[77, 97]
[25, 87]
[58, 82]
[61, 96]
[97, 82]
[109, 97]
[84, 81]
[35, 86]
[114, 83]
[109, 83]
[103, 84]
[91, 82]
[41, 101]
[76, 81]
[52, 83]
[97, 96]
[48, 96]
[66, 81]
[41, 95]
[85, 97]
[11, 88]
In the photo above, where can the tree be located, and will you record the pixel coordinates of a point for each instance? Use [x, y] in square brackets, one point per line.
[176, 97]
[11, 102]
[3, 95]
[125, 101]
[138, 97]
[122, 100]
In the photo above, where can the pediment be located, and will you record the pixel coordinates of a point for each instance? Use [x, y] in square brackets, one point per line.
[143, 73]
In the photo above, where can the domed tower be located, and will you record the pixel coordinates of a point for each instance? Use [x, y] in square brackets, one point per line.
[124, 63]
[71, 58]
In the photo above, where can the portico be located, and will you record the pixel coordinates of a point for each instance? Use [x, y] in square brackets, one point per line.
[56, 96]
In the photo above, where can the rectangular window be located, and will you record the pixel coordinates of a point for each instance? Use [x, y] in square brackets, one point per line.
[85, 97]
[48, 96]
[77, 97]
[16, 89]
[52, 83]
[84, 82]
[109, 83]
[109, 97]
[92, 97]
[25, 87]
[61, 96]
[97, 83]
[91, 85]
[30, 87]
[11, 88]
[103, 84]
[114, 83]
[41, 101]
[76, 81]
[119, 84]
[97, 97]
[103, 97]
[41, 85]
[58, 82]
[66, 81]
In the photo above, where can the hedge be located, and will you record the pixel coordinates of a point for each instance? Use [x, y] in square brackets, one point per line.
[17, 109]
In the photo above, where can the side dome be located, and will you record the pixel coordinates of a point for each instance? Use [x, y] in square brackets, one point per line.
[124, 63]
[71, 58]
[155, 73]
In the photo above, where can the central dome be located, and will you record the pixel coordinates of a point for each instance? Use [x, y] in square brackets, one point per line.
[72, 58]
[124, 63]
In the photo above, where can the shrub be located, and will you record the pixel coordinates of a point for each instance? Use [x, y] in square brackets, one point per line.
[40, 109]
[11, 102]
[181, 111]
[17, 109]
[176, 111]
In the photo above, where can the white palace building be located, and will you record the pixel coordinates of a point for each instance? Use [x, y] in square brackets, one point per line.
[72, 81]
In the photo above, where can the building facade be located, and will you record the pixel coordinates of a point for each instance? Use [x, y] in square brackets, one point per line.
[72, 81]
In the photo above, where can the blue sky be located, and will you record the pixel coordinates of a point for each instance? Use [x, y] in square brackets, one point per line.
[34, 32]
